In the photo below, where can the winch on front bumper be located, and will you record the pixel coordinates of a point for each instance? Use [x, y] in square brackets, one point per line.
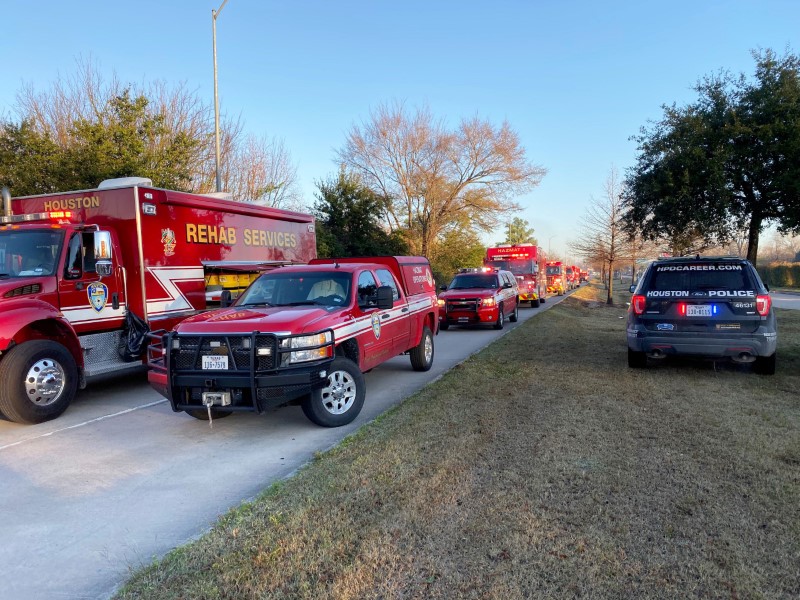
[237, 372]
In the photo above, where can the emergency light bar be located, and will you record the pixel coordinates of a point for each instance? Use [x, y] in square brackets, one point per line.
[43, 216]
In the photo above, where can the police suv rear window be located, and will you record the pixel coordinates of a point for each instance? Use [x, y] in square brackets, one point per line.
[684, 279]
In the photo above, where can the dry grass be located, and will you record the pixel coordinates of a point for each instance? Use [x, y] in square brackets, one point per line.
[541, 468]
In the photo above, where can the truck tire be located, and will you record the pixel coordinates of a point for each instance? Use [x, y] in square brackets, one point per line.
[444, 325]
[341, 400]
[515, 315]
[39, 380]
[535, 303]
[422, 353]
[501, 318]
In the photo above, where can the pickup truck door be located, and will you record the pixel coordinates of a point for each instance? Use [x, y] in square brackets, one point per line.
[376, 337]
[399, 322]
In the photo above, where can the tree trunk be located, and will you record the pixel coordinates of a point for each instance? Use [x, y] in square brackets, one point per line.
[752, 239]
[610, 299]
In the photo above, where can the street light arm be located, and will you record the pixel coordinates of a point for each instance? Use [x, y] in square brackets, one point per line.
[219, 10]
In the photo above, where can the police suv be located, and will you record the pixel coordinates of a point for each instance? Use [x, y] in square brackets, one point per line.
[711, 307]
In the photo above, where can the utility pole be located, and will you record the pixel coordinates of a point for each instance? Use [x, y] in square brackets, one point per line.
[214, 15]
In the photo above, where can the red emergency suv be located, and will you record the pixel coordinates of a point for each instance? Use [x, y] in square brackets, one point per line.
[301, 334]
[479, 296]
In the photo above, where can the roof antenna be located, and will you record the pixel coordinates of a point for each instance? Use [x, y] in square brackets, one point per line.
[335, 264]
[698, 257]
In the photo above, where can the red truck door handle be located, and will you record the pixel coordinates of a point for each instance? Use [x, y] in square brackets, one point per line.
[405, 309]
[385, 316]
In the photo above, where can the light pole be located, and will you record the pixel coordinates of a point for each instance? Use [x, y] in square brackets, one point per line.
[214, 15]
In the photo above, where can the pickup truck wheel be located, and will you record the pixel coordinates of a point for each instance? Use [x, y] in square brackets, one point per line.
[515, 315]
[202, 413]
[422, 353]
[340, 401]
[501, 318]
[39, 380]
[636, 360]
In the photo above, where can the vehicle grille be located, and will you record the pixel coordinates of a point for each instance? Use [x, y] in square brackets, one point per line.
[192, 348]
[469, 304]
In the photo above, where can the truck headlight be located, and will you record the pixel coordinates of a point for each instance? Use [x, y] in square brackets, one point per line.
[305, 341]
[310, 347]
[488, 302]
[440, 301]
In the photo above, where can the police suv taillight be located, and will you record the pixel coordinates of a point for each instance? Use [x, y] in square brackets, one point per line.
[637, 304]
[763, 304]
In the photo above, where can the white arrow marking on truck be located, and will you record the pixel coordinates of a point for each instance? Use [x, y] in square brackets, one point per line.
[175, 301]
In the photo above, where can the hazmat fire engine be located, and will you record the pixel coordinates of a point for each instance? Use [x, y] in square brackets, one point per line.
[85, 274]
[300, 334]
[556, 278]
[526, 262]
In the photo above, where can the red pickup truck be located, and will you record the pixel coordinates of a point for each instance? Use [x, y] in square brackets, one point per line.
[300, 334]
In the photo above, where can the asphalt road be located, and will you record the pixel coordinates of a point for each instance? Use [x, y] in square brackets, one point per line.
[786, 300]
[120, 479]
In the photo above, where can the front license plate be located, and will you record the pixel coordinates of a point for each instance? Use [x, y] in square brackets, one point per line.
[694, 310]
[463, 319]
[215, 363]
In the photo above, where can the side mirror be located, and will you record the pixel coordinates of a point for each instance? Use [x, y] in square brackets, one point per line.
[507, 286]
[225, 299]
[443, 288]
[633, 288]
[385, 296]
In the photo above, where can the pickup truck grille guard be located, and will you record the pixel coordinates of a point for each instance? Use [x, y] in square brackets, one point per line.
[269, 384]
[468, 304]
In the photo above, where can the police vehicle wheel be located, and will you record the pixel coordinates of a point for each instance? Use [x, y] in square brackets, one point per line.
[765, 365]
[636, 360]
[422, 353]
[501, 318]
[535, 303]
[202, 413]
[444, 325]
[40, 379]
[515, 315]
[342, 398]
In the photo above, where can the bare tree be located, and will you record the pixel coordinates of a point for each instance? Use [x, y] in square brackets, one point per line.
[264, 174]
[602, 236]
[434, 177]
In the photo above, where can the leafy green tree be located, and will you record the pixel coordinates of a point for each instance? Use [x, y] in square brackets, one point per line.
[348, 220]
[727, 162]
[460, 246]
[30, 161]
[519, 231]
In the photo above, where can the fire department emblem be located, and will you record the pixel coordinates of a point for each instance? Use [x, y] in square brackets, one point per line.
[168, 239]
[376, 326]
[429, 277]
[98, 295]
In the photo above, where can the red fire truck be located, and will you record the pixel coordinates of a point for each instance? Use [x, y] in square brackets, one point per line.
[85, 274]
[526, 262]
[556, 278]
[300, 334]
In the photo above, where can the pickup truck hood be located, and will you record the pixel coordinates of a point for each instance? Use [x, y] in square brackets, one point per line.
[287, 319]
[467, 293]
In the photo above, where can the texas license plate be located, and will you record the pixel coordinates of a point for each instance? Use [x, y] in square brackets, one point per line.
[215, 363]
[698, 310]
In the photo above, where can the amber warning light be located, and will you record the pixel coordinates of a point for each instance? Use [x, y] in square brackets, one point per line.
[61, 214]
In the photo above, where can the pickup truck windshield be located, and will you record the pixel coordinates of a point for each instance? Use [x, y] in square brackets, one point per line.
[29, 253]
[296, 289]
[466, 282]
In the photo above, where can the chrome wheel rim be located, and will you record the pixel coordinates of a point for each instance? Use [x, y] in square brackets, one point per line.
[45, 382]
[428, 349]
[340, 393]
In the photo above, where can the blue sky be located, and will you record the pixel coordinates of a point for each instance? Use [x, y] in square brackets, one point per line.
[575, 79]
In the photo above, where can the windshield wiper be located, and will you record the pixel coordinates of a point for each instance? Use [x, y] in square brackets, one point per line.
[256, 304]
[301, 303]
[4, 275]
